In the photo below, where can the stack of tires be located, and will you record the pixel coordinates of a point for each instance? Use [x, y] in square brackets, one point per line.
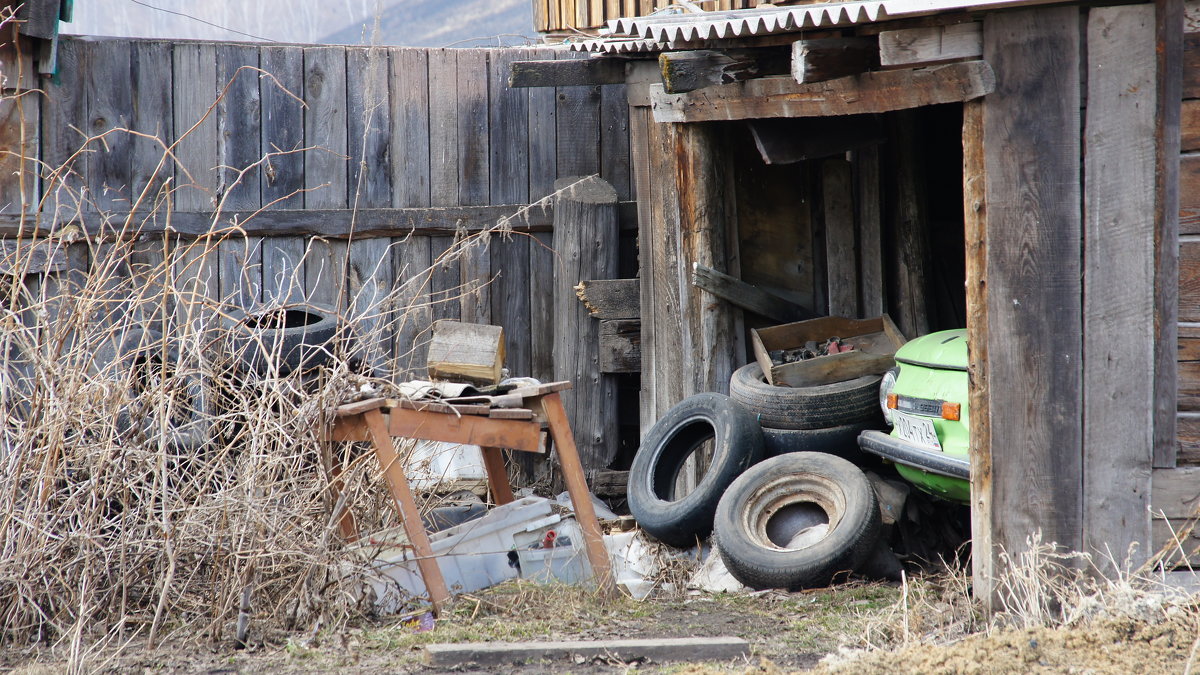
[788, 507]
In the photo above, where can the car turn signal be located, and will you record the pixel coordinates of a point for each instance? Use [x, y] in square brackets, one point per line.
[893, 401]
[951, 411]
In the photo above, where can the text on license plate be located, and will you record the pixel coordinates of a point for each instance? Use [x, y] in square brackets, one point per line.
[917, 430]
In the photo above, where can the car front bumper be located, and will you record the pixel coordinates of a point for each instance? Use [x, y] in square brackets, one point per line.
[903, 452]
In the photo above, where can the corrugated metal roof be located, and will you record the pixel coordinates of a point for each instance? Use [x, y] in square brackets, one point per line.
[662, 31]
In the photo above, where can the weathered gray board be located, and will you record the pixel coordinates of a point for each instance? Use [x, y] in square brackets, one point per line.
[331, 130]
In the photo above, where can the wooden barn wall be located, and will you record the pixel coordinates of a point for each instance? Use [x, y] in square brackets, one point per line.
[366, 164]
[551, 16]
[1188, 447]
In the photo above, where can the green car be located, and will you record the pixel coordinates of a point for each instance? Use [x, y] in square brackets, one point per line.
[925, 400]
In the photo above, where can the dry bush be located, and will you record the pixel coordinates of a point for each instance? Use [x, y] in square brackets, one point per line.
[150, 487]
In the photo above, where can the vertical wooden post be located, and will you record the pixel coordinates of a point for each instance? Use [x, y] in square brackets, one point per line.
[581, 499]
[1033, 302]
[1119, 291]
[493, 463]
[910, 226]
[410, 517]
[585, 239]
[840, 254]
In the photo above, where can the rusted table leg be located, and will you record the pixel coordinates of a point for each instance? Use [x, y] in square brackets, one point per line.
[493, 461]
[572, 469]
[409, 515]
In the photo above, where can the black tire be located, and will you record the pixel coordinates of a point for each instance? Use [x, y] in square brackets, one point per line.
[769, 506]
[841, 441]
[819, 407]
[152, 365]
[737, 445]
[289, 338]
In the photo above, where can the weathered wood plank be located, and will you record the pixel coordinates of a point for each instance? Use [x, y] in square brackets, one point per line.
[786, 141]
[840, 250]
[910, 223]
[1178, 540]
[152, 121]
[1191, 65]
[1168, 48]
[281, 89]
[64, 113]
[1118, 298]
[509, 171]
[874, 92]
[445, 255]
[467, 352]
[110, 99]
[621, 346]
[413, 315]
[474, 180]
[870, 234]
[1190, 126]
[19, 147]
[238, 152]
[746, 296]
[444, 129]
[821, 59]
[614, 143]
[931, 44]
[409, 84]
[639, 141]
[543, 170]
[662, 227]
[611, 298]
[196, 176]
[584, 238]
[495, 654]
[1033, 289]
[1188, 438]
[689, 70]
[1176, 492]
[326, 223]
[576, 72]
[1189, 280]
[326, 173]
[578, 128]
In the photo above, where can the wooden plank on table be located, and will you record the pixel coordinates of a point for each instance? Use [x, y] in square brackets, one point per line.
[474, 181]
[470, 429]
[1034, 346]
[611, 298]
[326, 170]
[468, 352]
[1118, 299]
[821, 59]
[508, 128]
[238, 152]
[746, 296]
[621, 346]
[1169, 63]
[110, 100]
[578, 128]
[195, 94]
[543, 170]
[930, 44]
[840, 249]
[584, 238]
[868, 191]
[575, 72]
[874, 92]
[370, 272]
[438, 407]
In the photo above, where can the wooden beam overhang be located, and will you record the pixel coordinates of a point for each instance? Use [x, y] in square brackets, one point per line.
[567, 73]
[873, 92]
[691, 70]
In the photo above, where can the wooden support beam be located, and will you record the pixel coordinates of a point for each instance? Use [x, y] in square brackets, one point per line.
[841, 261]
[820, 59]
[1118, 298]
[567, 73]
[690, 70]
[786, 141]
[611, 298]
[873, 92]
[930, 44]
[1032, 297]
[746, 296]
[621, 346]
[585, 239]
[1168, 84]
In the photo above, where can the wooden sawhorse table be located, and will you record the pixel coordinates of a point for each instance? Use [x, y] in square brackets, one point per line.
[379, 420]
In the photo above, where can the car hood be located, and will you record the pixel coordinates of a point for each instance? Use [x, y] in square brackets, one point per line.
[944, 349]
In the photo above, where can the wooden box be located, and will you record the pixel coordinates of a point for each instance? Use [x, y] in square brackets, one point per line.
[875, 343]
[466, 352]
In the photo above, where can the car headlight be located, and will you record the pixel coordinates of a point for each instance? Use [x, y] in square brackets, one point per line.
[885, 388]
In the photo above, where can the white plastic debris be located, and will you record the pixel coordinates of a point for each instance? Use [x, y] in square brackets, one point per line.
[714, 577]
[434, 466]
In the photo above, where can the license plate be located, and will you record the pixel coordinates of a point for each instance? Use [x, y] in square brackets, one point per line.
[916, 430]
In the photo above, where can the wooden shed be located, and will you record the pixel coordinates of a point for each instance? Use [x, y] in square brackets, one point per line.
[1008, 166]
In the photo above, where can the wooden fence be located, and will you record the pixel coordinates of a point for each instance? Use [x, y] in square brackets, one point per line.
[342, 171]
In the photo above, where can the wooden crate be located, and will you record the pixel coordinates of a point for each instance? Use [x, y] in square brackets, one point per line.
[875, 343]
